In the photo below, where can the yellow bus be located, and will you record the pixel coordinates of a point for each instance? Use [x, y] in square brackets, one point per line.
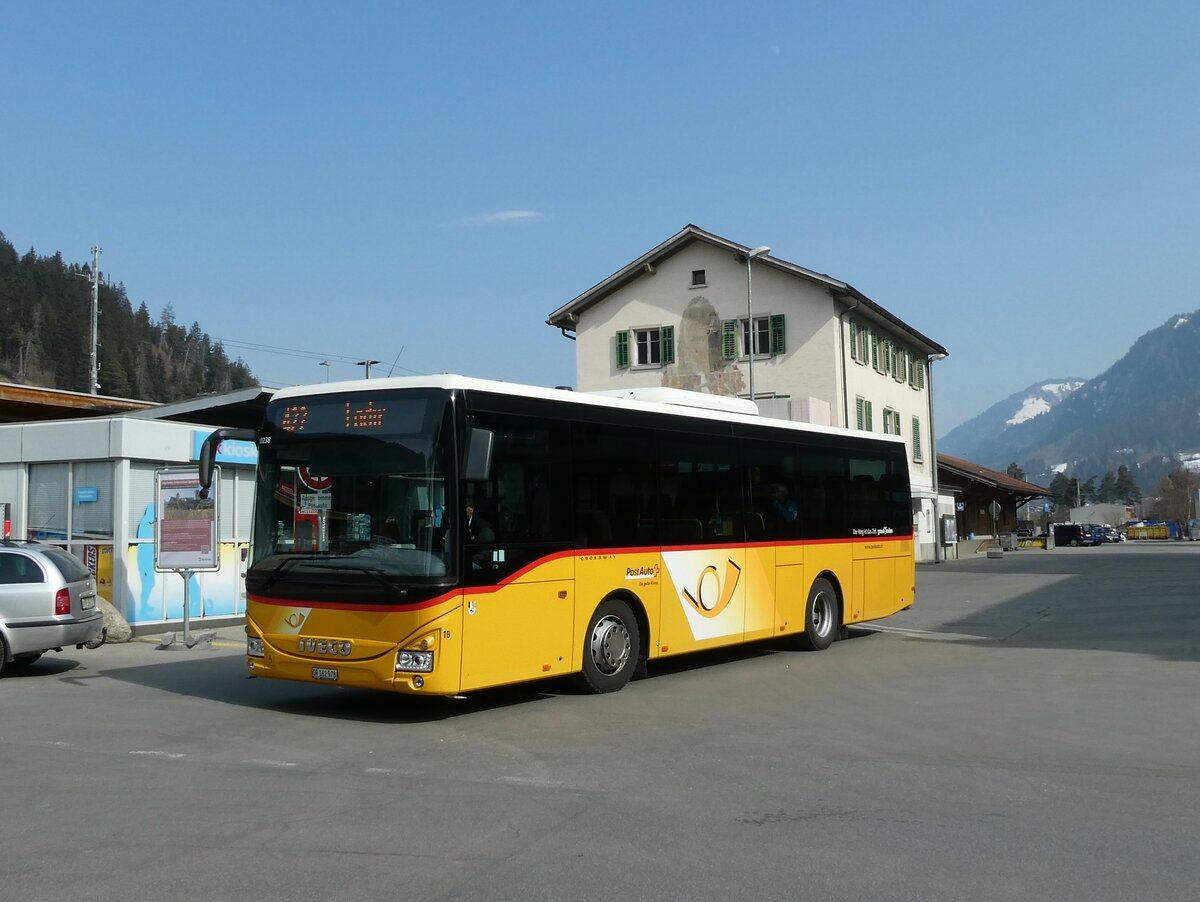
[439, 535]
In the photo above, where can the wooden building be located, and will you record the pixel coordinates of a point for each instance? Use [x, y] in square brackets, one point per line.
[976, 489]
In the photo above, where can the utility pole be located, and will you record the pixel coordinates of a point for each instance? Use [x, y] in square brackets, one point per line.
[94, 368]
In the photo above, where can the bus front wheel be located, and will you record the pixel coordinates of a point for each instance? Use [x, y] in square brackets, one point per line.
[610, 648]
[820, 617]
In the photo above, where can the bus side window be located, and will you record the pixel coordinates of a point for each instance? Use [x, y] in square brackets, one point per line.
[614, 491]
[773, 509]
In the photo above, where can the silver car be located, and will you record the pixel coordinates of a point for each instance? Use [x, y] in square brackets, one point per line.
[47, 601]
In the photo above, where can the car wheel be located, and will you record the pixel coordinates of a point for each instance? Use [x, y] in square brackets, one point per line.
[821, 617]
[611, 648]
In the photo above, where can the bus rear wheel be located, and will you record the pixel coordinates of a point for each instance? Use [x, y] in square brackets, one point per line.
[610, 648]
[821, 620]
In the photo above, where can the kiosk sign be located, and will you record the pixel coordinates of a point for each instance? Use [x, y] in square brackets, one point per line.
[185, 528]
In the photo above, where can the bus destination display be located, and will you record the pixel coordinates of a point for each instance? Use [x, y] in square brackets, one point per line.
[350, 414]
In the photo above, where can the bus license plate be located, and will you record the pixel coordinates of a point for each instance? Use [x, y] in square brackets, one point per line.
[324, 673]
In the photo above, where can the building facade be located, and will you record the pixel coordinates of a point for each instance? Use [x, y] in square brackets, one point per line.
[88, 486]
[702, 313]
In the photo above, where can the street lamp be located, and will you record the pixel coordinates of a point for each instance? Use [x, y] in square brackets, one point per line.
[757, 252]
[367, 364]
[327, 365]
[937, 518]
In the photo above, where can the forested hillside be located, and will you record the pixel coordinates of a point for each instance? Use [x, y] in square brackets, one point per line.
[45, 336]
[1141, 413]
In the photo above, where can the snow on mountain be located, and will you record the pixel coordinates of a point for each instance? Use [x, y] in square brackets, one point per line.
[1032, 407]
[1047, 396]
[1141, 412]
[980, 434]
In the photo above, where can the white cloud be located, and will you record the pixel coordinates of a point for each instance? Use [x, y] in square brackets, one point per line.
[500, 217]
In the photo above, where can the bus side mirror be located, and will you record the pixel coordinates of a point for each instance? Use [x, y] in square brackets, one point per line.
[477, 464]
[208, 452]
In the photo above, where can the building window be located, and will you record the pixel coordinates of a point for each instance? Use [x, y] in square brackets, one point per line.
[900, 364]
[917, 378]
[891, 422]
[860, 343]
[767, 336]
[698, 280]
[648, 346]
[79, 494]
[918, 457]
[863, 415]
[884, 357]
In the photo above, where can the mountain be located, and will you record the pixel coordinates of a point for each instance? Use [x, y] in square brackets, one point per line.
[1143, 412]
[978, 437]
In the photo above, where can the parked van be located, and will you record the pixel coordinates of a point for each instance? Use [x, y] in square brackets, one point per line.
[1073, 534]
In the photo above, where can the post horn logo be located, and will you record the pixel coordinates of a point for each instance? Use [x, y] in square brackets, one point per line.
[713, 594]
[294, 619]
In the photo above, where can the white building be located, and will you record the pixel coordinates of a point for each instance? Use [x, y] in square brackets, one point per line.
[88, 485]
[686, 314]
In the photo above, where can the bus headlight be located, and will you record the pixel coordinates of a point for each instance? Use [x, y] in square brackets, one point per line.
[414, 661]
[254, 647]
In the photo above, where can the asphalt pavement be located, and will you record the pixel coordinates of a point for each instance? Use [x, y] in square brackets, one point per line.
[1030, 729]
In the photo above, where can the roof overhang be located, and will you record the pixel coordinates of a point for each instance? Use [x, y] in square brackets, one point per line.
[31, 403]
[243, 408]
[950, 467]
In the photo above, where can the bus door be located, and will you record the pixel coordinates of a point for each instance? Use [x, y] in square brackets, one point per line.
[519, 629]
[877, 520]
[519, 572]
[780, 504]
[703, 536]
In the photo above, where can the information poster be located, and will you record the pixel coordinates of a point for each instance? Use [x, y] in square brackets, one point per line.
[186, 526]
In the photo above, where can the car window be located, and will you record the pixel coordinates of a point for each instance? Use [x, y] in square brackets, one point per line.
[72, 569]
[17, 568]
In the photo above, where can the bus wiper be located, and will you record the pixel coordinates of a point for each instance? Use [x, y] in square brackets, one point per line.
[373, 572]
[283, 565]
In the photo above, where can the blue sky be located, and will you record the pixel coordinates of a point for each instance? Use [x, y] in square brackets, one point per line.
[422, 184]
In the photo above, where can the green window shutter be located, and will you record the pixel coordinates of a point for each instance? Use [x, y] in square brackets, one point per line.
[916, 426]
[853, 340]
[869, 422]
[729, 339]
[874, 350]
[622, 350]
[921, 374]
[859, 413]
[668, 344]
[777, 335]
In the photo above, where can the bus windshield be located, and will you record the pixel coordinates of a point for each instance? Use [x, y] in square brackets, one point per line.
[352, 498]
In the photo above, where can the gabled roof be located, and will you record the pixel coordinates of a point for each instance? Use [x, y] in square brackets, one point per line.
[974, 472]
[566, 317]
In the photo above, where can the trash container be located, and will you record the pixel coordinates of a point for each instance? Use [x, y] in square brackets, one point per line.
[1008, 541]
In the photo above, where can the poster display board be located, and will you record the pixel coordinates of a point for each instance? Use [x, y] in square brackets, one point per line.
[185, 528]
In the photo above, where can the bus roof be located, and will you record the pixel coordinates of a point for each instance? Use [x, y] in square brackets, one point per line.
[673, 402]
